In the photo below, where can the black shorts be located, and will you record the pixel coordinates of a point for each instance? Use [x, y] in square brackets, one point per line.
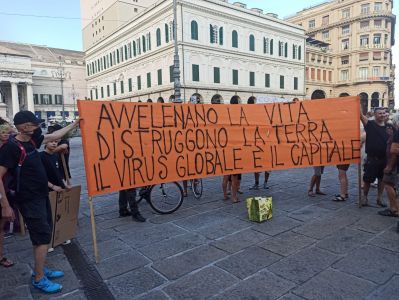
[40, 226]
[373, 169]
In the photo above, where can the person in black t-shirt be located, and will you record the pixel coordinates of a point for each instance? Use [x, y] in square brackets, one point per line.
[61, 148]
[376, 144]
[51, 163]
[391, 173]
[31, 192]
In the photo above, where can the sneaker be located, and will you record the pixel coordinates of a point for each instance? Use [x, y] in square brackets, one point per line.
[265, 186]
[67, 242]
[52, 274]
[47, 286]
[254, 187]
[138, 217]
[51, 249]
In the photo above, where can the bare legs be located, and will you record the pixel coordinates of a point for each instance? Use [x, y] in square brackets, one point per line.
[39, 254]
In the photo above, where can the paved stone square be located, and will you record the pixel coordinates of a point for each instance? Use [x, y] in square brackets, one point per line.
[313, 248]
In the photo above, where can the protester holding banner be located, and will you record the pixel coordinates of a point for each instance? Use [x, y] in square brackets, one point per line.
[51, 163]
[30, 183]
[315, 182]
[376, 145]
[128, 197]
[60, 148]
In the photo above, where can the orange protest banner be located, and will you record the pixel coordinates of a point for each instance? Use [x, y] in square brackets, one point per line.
[136, 144]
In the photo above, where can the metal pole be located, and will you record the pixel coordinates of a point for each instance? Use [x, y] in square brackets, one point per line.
[62, 89]
[176, 69]
[62, 98]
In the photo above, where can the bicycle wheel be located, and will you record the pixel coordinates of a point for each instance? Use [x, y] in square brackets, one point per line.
[197, 188]
[166, 198]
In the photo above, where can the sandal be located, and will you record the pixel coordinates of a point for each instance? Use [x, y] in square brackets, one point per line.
[388, 213]
[339, 198]
[320, 193]
[311, 194]
[6, 263]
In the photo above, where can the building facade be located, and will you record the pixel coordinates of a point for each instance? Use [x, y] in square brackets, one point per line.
[36, 78]
[358, 37]
[226, 51]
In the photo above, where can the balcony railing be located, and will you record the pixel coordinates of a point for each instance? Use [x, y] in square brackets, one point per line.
[374, 78]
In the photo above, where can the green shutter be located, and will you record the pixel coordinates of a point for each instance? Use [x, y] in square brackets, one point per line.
[148, 80]
[160, 77]
[295, 83]
[102, 92]
[281, 82]
[216, 75]
[252, 78]
[251, 43]
[235, 77]
[194, 30]
[158, 37]
[114, 88]
[122, 87]
[286, 49]
[134, 49]
[139, 82]
[195, 70]
[271, 47]
[212, 36]
[96, 95]
[299, 52]
[143, 43]
[221, 36]
[117, 56]
[129, 82]
[167, 33]
[42, 98]
[267, 80]
[234, 38]
[108, 91]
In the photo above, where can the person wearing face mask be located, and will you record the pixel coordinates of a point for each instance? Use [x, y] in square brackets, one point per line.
[19, 157]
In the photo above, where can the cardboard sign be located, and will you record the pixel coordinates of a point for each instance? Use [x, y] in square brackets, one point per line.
[136, 144]
[65, 210]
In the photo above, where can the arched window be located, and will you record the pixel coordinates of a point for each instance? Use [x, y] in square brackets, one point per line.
[148, 41]
[212, 34]
[234, 39]
[158, 37]
[143, 43]
[221, 36]
[194, 30]
[134, 49]
[251, 43]
[167, 33]
[271, 47]
[265, 45]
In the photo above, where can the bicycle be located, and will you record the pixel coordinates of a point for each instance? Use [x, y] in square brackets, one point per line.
[197, 187]
[164, 198]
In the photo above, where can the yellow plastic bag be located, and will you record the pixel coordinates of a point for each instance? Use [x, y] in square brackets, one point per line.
[260, 209]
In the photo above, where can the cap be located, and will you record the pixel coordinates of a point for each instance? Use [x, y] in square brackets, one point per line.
[26, 116]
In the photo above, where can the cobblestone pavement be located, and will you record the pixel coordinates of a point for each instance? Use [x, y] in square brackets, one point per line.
[313, 248]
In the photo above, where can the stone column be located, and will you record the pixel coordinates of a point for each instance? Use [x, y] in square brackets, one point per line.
[29, 98]
[14, 96]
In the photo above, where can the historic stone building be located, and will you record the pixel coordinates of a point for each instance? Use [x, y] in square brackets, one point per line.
[30, 79]
[226, 51]
[356, 41]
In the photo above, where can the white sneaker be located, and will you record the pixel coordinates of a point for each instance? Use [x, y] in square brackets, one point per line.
[50, 250]
[67, 242]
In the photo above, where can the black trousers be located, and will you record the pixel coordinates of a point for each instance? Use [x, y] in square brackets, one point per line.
[128, 197]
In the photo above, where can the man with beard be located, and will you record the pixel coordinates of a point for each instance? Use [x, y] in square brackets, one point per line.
[29, 186]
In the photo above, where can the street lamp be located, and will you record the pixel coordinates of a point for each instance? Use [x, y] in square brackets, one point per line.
[176, 68]
[61, 74]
